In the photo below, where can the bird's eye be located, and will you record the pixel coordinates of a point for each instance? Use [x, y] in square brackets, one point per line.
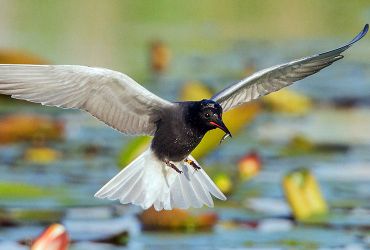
[207, 115]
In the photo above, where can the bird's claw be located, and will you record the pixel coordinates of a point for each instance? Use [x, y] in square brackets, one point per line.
[193, 164]
[171, 165]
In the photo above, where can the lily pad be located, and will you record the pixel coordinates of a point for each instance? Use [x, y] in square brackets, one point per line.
[177, 219]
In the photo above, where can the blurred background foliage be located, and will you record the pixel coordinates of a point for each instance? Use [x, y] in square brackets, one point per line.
[115, 34]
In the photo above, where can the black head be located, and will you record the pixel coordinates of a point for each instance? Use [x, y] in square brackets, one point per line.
[210, 115]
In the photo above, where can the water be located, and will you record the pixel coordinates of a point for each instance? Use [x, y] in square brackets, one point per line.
[215, 50]
[344, 177]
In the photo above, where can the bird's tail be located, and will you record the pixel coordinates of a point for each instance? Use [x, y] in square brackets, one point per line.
[148, 181]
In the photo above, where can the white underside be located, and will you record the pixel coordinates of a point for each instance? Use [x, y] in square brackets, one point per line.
[148, 181]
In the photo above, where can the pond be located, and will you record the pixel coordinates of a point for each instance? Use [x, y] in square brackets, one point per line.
[256, 214]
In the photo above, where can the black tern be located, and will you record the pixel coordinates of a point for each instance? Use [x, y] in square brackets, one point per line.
[165, 176]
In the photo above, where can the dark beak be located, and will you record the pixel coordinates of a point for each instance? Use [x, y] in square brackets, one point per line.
[220, 124]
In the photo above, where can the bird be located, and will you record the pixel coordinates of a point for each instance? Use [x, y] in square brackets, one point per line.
[165, 175]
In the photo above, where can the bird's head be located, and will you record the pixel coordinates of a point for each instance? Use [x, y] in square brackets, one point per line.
[210, 114]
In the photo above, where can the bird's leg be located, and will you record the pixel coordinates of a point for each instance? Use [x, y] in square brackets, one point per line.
[171, 165]
[192, 163]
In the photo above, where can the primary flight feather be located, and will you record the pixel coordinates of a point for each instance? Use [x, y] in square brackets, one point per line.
[165, 176]
[274, 78]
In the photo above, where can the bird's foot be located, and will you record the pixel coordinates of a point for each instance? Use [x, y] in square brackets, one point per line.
[193, 164]
[171, 165]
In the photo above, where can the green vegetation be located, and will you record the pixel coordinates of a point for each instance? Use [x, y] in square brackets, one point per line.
[23, 191]
[14, 190]
[117, 33]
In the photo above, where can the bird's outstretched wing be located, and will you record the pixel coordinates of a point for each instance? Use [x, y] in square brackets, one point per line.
[274, 78]
[110, 96]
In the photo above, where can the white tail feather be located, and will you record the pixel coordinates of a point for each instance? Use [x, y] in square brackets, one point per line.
[148, 181]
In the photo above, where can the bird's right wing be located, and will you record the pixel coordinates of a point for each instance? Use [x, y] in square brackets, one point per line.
[280, 76]
[110, 96]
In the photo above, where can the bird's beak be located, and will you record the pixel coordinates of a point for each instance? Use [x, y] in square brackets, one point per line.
[220, 124]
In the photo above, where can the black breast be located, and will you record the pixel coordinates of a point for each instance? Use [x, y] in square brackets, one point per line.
[176, 135]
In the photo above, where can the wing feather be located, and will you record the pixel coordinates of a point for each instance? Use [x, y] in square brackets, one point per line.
[110, 96]
[277, 77]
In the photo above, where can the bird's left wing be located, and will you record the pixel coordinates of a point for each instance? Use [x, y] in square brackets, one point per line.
[280, 76]
[110, 96]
